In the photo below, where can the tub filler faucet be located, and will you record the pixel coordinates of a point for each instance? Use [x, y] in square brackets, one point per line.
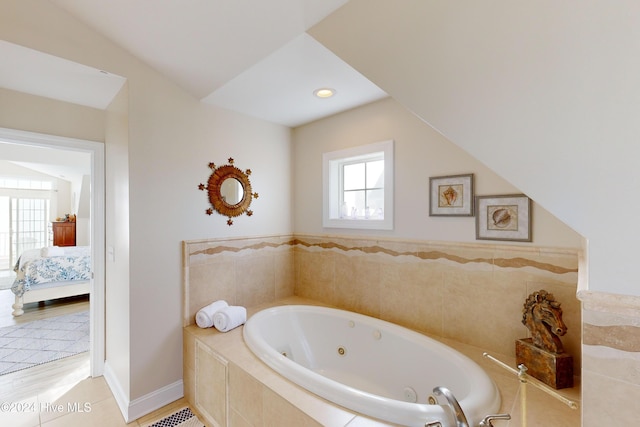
[461, 419]
[486, 422]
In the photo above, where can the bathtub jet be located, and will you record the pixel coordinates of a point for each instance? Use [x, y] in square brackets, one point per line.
[368, 365]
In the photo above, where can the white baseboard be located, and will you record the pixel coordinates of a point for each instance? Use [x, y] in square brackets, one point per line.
[155, 400]
[132, 410]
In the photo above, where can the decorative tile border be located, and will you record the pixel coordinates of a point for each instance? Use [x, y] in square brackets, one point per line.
[215, 250]
[204, 249]
[517, 262]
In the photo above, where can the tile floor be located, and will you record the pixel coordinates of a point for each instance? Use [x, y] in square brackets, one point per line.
[60, 393]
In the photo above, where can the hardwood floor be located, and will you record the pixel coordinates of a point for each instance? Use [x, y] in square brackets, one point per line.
[39, 310]
[60, 393]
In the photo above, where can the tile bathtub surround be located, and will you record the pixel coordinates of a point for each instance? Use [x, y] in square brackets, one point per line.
[611, 358]
[260, 397]
[244, 271]
[471, 293]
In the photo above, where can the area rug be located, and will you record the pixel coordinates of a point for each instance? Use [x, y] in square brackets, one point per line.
[29, 344]
[6, 282]
[181, 418]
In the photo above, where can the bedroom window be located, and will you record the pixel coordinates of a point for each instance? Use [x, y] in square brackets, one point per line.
[23, 225]
[29, 222]
[25, 184]
[24, 217]
[358, 187]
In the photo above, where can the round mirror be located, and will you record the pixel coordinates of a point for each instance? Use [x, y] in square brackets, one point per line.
[231, 191]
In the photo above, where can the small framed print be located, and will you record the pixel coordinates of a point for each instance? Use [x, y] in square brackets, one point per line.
[451, 195]
[505, 217]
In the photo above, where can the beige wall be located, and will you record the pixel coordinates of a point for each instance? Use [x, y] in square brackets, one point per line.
[527, 90]
[420, 153]
[43, 115]
[117, 319]
[170, 139]
[31, 113]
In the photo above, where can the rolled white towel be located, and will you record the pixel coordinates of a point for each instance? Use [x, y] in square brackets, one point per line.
[229, 317]
[50, 251]
[204, 316]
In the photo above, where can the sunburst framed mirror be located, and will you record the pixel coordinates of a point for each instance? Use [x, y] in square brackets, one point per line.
[229, 191]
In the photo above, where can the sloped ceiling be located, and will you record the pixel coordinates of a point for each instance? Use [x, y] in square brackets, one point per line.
[546, 94]
[250, 56]
[62, 164]
[36, 73]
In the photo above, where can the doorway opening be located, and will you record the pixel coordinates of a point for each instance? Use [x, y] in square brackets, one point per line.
[92, 224]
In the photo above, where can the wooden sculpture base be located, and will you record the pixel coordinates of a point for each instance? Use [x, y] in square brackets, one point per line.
[555, 370]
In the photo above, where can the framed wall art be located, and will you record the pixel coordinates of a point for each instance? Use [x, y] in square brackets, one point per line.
[505, 217]
[451, 195]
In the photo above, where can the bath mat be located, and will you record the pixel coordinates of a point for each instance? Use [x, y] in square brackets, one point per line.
[41, 341]
[181, 418]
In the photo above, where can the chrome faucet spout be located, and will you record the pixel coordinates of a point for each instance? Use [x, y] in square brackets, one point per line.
[461, 419]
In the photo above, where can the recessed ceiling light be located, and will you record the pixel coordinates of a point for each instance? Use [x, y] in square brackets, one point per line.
[324, 92]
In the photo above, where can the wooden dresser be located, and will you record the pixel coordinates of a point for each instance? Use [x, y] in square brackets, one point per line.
[64, 233]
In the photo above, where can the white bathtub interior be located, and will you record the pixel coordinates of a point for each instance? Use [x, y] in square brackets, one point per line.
[368, 365]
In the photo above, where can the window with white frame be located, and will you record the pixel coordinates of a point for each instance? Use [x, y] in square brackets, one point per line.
[24, 216]
[358, 187]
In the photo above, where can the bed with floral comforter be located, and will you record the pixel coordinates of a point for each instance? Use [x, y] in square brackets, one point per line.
[62, 273]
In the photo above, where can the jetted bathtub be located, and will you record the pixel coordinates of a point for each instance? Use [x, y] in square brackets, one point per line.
[368, 365]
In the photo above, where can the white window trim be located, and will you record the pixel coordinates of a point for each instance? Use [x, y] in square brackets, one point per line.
[331, 187]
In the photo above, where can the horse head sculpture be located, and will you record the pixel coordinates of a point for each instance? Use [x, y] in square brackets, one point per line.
[542, 315]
